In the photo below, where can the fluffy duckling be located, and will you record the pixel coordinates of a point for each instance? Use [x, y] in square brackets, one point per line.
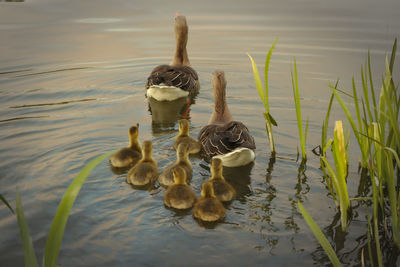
[145, 171]
[183, 137]
[222, 190]
[179, 79]
[166, 177]
[128, 156]
[208, 208]
[224, 137]
[179, 195]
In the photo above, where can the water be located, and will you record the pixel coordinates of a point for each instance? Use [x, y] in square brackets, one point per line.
[72, 77]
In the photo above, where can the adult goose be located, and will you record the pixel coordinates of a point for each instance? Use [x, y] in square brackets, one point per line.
[170, 82]
[223, 137]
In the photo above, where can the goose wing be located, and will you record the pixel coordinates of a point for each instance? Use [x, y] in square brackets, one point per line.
[219, 140]
[183, 77]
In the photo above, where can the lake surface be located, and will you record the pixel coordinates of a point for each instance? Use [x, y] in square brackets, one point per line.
[72, 77]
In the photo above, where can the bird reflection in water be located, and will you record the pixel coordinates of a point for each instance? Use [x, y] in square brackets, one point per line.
[165, 114]
[239, 179]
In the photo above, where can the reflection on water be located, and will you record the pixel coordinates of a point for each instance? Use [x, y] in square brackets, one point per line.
[165, 114]
[71, 84]
[239, 178]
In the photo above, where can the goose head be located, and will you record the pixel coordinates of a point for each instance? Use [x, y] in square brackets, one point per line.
[221, 114]
[181, 38]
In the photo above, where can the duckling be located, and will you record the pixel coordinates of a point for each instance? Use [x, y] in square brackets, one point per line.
[145, 171]
[178, 79]
[128, 156]
[222, 190]
[224, 137]
[166, 177]
[179, 195]
[208, 208]
[183, 137]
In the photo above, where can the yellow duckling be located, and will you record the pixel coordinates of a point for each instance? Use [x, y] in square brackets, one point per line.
[145, 171]
[208, 208]
[183, 137]
[128, 156]
[179, 195]
[166, 178]
[222, 190]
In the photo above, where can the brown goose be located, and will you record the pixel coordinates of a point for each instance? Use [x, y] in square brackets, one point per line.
[223, 137]
[128, 156]
[170, 82]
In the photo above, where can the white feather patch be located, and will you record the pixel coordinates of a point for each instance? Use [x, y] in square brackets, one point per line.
[165, 93]
[238, 157]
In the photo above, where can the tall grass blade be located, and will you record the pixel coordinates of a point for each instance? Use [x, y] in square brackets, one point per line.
[352, 124]
[323, 241]
[6, 203]
[60, 219]
[257, 81]
[372, 87]
[296, 97]
[29, 251]
[266, 70]
[269, 120]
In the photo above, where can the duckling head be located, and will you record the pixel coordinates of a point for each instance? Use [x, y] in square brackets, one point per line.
[184, 127]
[134, 131]
[216, 168]
[207, 190]
[147, 149]
[183, 151]
[179, 176]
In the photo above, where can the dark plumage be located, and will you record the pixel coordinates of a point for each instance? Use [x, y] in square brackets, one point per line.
[219, 140]
[183, 77]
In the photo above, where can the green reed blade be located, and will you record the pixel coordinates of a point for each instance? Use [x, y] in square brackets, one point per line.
[6, 203]
[29, 251]
[257, 81]
[323, 241]
[272, 120]
[369, 232]
[355, 97]
[391, 115]
[266, 69]
[391, 187]
[372, 87]
[352, 124]
[56, 233]
[365, 91]
[393, 56]
[296, 97]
